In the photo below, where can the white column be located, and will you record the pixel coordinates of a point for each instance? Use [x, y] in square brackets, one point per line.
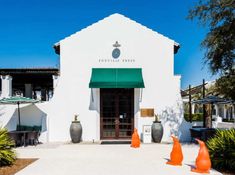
[193, 108]
[225, 112]
[233, 112]
[6, 85]
[28, 90]
[216, 109]
[55, 80]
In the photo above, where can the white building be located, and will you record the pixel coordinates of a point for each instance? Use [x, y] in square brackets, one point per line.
[109, 71]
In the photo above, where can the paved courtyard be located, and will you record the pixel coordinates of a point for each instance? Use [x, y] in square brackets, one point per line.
[96, 159]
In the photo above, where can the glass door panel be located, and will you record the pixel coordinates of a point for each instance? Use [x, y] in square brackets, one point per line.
[108, 115]
[126, 113]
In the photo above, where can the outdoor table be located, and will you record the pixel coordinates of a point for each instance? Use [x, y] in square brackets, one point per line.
[22, 134]
[202, 133]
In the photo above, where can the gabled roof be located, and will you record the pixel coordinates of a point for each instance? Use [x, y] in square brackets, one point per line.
[111, 17]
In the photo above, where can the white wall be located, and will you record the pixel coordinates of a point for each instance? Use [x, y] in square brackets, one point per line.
[81, 52]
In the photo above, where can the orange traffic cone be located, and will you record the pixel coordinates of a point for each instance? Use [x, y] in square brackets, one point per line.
[203, 161]
[176, 153]
[135, 139]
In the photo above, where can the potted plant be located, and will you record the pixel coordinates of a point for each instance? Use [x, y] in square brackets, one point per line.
[76, 130]
[157, 130]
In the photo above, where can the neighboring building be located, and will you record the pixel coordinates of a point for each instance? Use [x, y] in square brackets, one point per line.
[109, 73]
[37, 83]
[225, 111]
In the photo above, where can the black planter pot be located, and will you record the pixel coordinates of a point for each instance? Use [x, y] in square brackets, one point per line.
[76, 131]
[157, 132]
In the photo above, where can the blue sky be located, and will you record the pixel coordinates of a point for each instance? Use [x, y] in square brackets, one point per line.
[29, 28]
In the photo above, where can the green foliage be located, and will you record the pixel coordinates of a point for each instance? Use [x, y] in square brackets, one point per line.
[225, 85]
[222, 149]
[195, 117]
[228, 120]
[219, 43]
[7, 155]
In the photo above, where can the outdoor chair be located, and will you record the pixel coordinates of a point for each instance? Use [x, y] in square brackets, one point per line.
[37, 128]
[30, 134]
[32, 138]
[24, 128]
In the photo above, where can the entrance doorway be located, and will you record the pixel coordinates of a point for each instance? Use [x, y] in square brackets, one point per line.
[116, 113]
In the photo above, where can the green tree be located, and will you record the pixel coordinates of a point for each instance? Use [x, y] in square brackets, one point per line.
[225, 85]
[219, 16]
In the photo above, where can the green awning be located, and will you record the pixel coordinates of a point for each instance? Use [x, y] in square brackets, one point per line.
[116, 78]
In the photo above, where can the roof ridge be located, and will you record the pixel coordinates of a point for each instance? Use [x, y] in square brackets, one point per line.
[123, 16]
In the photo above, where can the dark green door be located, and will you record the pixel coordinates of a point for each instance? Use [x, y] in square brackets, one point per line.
[116, 113]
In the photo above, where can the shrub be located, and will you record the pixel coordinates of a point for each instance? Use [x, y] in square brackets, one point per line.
[222, 149]
[228, 120]
[7, 155]
[195, 117]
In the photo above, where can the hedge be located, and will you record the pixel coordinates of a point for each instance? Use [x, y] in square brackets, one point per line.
[222, 150]
[195, 117]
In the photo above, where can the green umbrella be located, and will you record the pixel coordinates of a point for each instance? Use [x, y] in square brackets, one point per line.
[18, 100]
